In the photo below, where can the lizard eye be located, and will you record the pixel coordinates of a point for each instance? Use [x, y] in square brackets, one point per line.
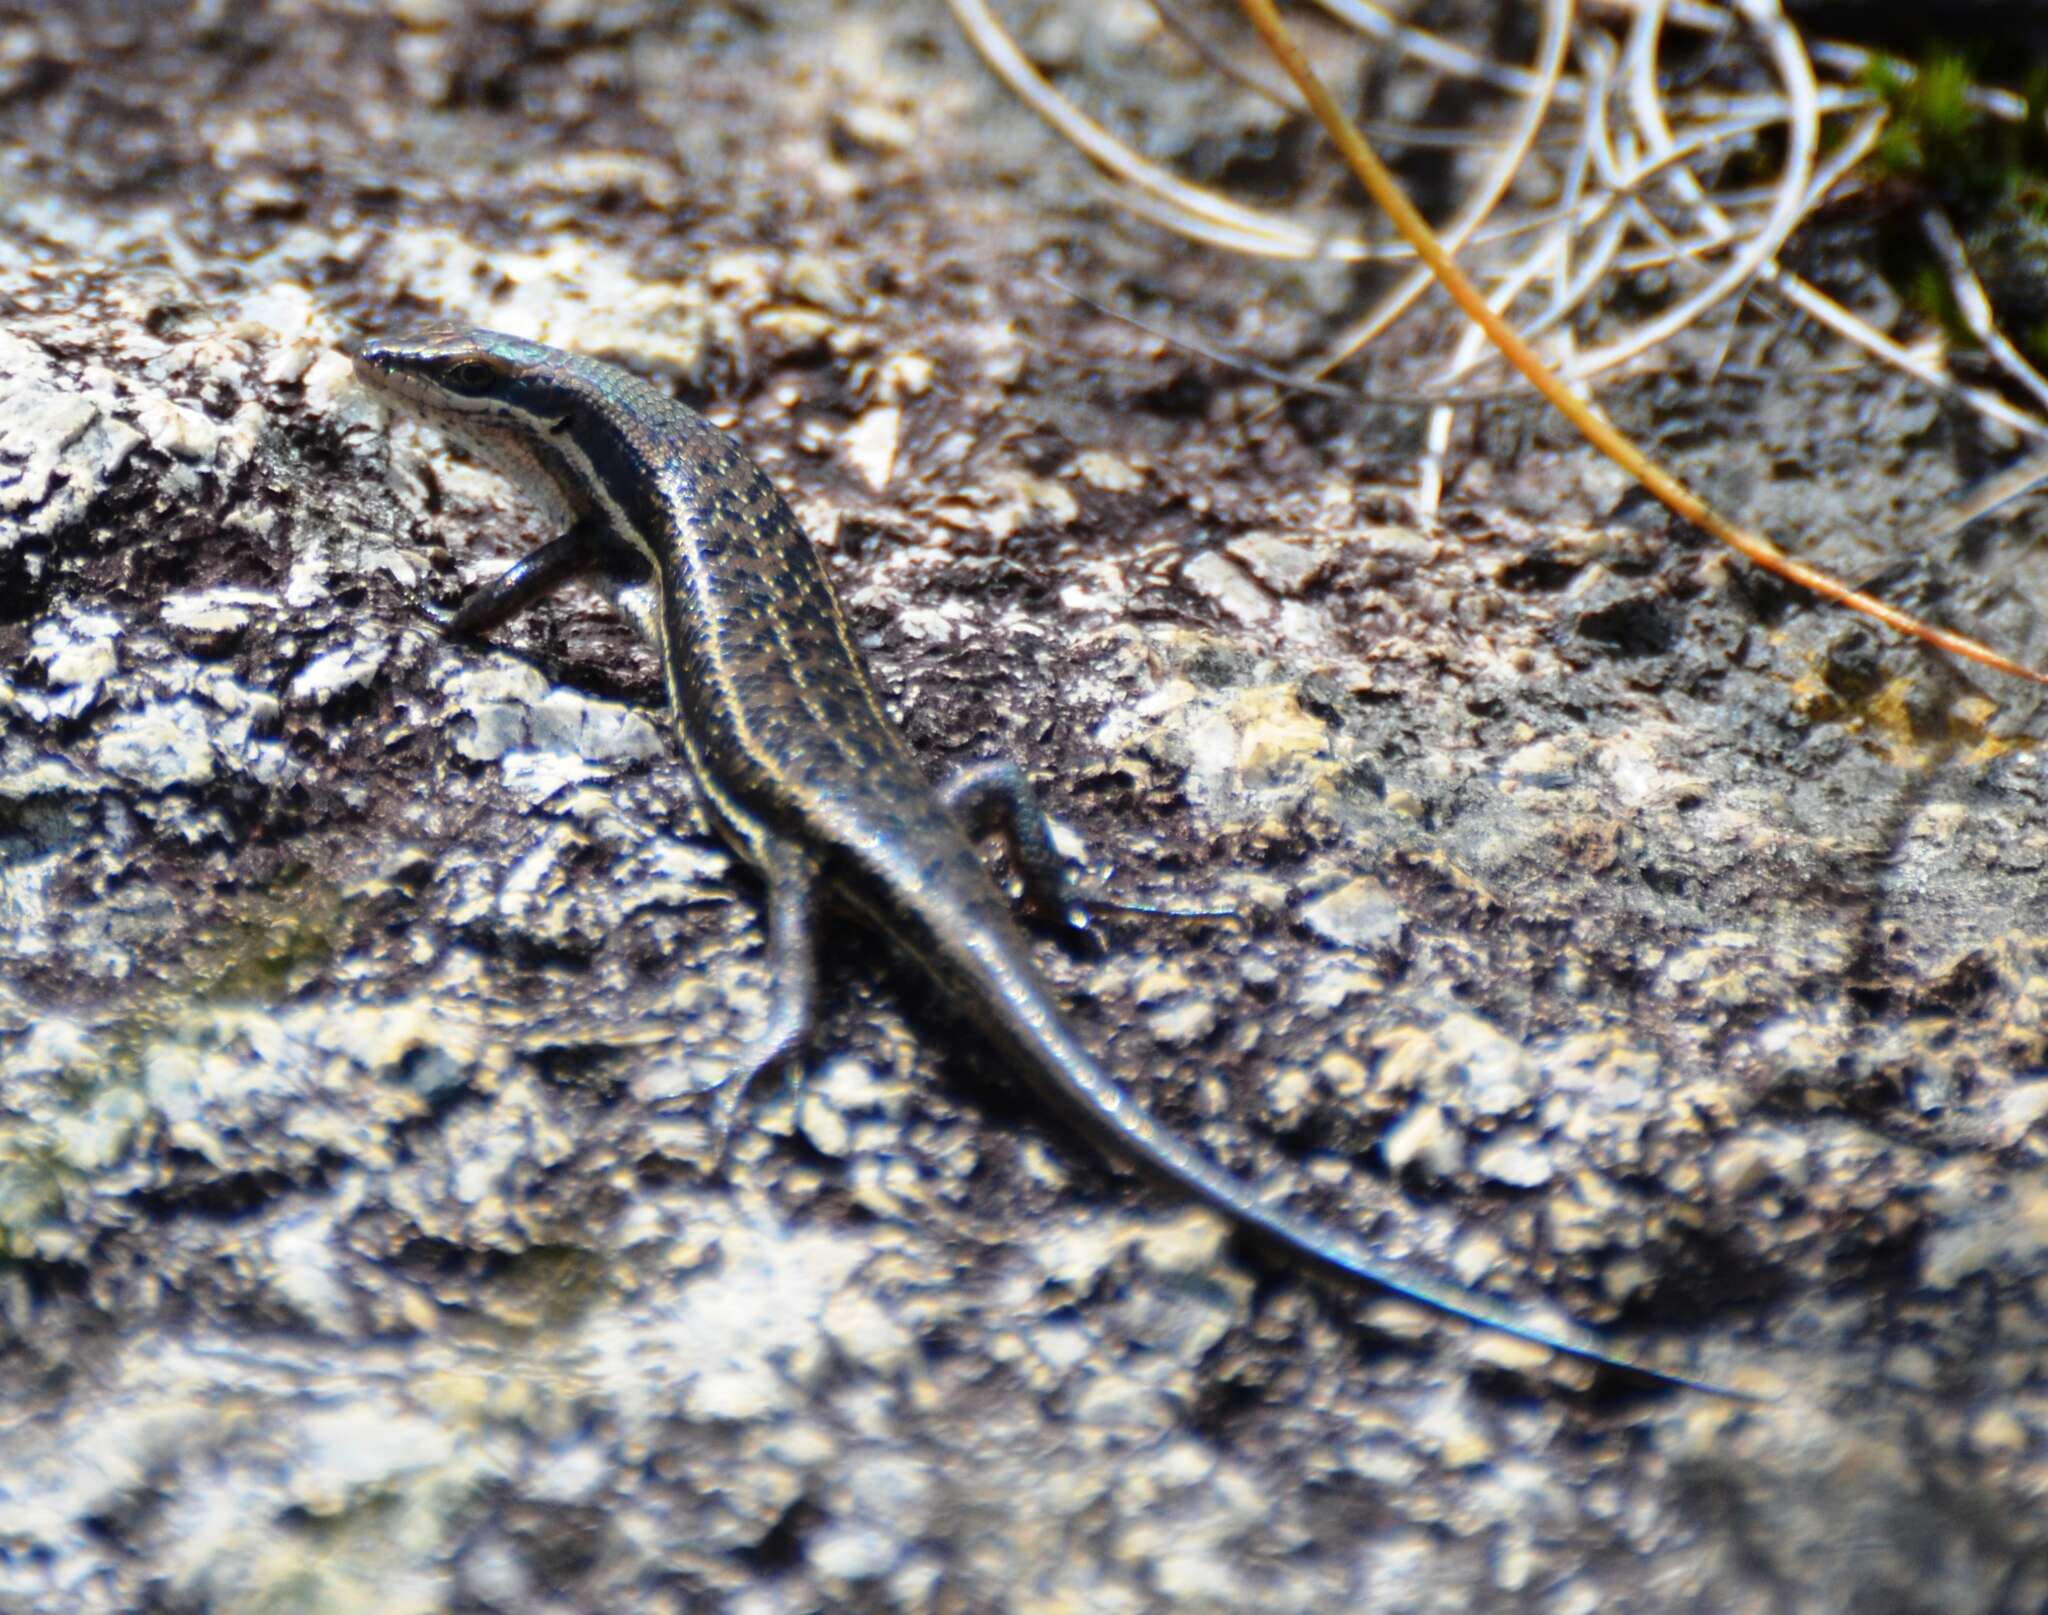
[470, 373]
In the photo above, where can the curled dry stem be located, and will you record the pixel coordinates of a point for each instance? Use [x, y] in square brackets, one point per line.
[1387, 194]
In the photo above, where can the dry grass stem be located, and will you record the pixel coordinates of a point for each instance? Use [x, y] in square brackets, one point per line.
[1626, 183]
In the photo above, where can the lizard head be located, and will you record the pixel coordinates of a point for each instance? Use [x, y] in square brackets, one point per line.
[502, 398]
[453, 368]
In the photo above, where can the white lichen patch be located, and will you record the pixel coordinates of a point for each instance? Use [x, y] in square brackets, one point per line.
[1361, 913]
[1220, 579]
[159, 746]
[870, 444]
[545, 738]
[214, 612]
[304, 1080]
[741, 1340]
[334, 672]
[1463, 1061]
[1285, 564]
[77, 654]
[62, 441]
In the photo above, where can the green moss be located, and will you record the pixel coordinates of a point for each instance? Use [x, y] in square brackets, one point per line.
[262, 954]
[268, 949]
[1939, 138]
[1928, 294]
[1989, 174]
[97, 1109]
[32, 1183]
[547, 1287]
[272, 948]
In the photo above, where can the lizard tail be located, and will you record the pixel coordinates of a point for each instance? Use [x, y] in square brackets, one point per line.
[1018, 1006]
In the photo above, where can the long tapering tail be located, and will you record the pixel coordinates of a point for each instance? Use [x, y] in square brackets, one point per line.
[1018, 1005]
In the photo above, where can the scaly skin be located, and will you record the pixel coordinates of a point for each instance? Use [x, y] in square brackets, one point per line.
[805, 775]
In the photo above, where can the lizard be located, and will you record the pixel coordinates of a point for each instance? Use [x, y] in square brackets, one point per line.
[801, 770]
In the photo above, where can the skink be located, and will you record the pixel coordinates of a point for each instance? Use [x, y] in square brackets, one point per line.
[804, 774]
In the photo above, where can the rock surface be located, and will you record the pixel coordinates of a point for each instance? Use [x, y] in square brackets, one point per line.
[1607, 928]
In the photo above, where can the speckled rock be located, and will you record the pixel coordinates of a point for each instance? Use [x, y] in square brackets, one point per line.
[1600, 928]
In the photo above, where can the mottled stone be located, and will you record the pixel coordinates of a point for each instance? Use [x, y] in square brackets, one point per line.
[62, 443]
[1214, 575]
[1287, 566]
[1515, 1159]
[367, 1242]
[158, 747]
[1424, 1139]
[1359, 914]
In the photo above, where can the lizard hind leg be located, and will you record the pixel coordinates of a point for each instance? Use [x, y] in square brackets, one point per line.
[997, 795]
[791, 875]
